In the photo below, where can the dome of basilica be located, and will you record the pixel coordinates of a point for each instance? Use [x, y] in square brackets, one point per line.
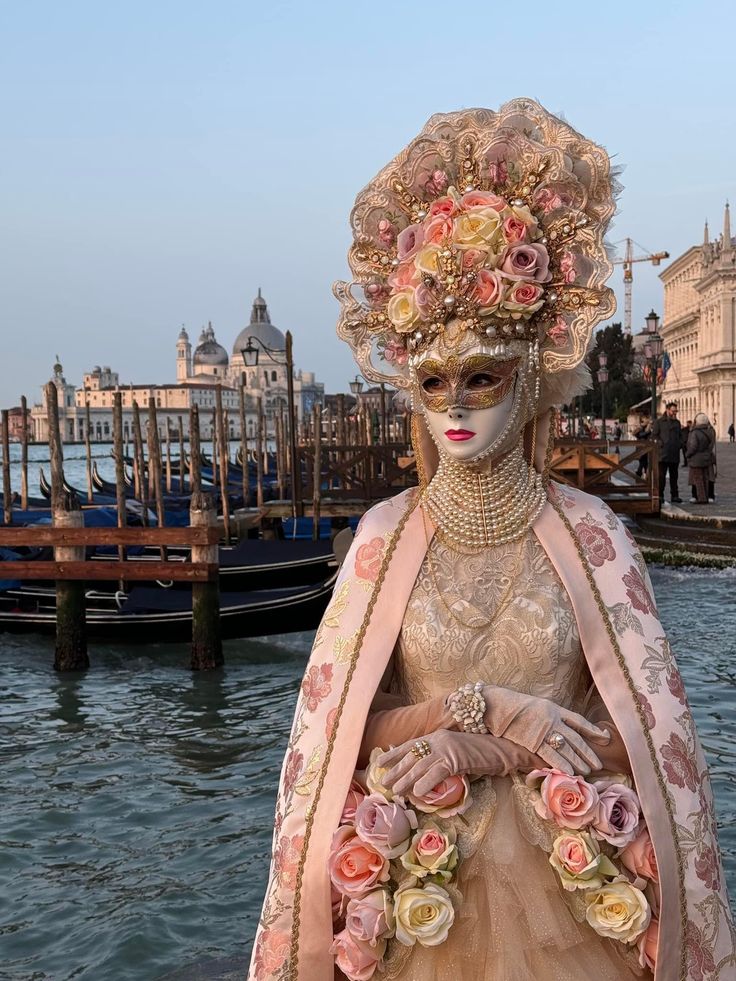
[261, 329]
[208, 352]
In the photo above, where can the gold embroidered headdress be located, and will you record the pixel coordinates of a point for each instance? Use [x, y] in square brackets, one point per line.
[488, 223]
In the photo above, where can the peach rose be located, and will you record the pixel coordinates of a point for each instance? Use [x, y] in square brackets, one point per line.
[579, 862]
[480, 227]
[568, 801]
[385, 825]
[354, 866]
[483, 199]
[528, 261]
[409, 241]
[639, 858]
[356, 794]
[337, 900]
[443, 206]
[402, 310]
[619, 910]
[432, 852]
[617, 818]
[522, 212]
[403, 276]
[449, 797]
[472, 258]
[488, 290]
[523, 299]
[371, 918]
[647, 944]
[438, 230]
[356, 959]
[514, 230]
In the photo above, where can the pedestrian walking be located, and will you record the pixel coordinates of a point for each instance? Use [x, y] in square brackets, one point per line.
[699, 451]
[713, 468]
[685, 433]
[667, 432]
[731, 433]
[642, 433]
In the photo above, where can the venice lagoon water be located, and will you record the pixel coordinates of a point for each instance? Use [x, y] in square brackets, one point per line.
[137, 799]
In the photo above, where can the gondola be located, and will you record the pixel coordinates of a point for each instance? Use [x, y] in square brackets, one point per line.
[148, 614]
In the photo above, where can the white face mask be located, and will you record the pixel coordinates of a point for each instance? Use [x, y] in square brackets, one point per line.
[464, 434]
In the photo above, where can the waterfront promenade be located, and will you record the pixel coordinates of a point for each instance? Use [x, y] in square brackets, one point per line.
[725, 504]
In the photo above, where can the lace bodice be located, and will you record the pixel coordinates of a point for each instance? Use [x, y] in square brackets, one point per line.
[531, 646]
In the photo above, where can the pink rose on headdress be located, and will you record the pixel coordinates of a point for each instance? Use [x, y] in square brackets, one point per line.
[386, 231]
[547, 199]
[409, 241]
[438, 229]
[514, 230]
[404, 276]
[354, 866]
[523, 299]
[483, 199]
[639, 858]
[376, 294]
[557, 333]
[443, 206]
[617, 818]
[527, 261]
[471, 258]
[394, 351]
[436, 182]
[356, 794]
[487, 290]
[449, 797]
[385, 825]
[567, 267]
[569, 801]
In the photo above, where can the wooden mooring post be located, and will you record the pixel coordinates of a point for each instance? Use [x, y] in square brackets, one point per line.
[88, 455]
[24, 454]
[206, 632]
[221, 430]
[316, 470]
[71, 628]
[7, 492]
[117, 442]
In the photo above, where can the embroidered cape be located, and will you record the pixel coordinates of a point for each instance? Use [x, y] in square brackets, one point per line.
[633, 668]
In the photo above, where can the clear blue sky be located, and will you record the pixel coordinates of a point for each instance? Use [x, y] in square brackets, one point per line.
[161, 160]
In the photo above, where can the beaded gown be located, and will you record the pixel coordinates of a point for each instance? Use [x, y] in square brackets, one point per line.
[515, 923]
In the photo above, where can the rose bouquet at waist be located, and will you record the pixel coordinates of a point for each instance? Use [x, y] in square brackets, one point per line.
[390, 861]
[601, 846]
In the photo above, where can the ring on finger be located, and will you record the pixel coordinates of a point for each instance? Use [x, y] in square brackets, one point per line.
[556, 740]
[421, 748]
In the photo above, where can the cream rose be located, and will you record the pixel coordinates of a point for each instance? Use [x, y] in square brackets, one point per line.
[374, 775]
[620, 911]
[432, 852]
[402, 310]
[424, 915]
[579, 862]
[426, 260]
[480, 227]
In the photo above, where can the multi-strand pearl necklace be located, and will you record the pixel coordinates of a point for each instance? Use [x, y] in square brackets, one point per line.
[474, 509]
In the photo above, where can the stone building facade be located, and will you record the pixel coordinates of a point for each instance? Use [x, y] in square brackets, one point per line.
[699, 329]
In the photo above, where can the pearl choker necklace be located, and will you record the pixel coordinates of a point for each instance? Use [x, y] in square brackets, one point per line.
[477, 509]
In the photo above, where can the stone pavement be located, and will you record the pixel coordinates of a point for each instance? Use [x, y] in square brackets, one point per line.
[725, 505]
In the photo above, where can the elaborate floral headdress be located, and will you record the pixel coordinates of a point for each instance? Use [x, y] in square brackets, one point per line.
[493, 221]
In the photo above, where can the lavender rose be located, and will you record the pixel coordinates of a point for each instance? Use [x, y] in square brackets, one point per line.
[617, 818]
[527, 260]
[384, 825]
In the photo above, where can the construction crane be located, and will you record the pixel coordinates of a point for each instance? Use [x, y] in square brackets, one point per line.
[627, 262]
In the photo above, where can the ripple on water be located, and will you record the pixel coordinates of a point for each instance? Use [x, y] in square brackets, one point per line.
[138, 799]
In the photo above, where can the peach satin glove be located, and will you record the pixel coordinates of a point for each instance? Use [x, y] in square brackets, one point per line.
[391, 726]
[530, 721]
[452, 753]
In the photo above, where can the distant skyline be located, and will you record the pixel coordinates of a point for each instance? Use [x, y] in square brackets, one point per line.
[161, 162]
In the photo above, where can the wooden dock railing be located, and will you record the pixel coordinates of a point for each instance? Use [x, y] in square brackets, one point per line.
[591, 466]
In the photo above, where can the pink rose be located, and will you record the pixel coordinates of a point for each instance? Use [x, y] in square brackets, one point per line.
[449, 797]
[337, 901]
[409, 241]
[528, 261]
[424, 299]
[488, 289]
[557, 333]
[356, 959]
[483, 199]
[568, 801]
[639, 858]
[438, 229]
[442, 206]
[403, 276]
[617, 817]
[385, 825]
[436, 182]
[370, 918]
[567, 267]
[354, 866]
[523, 298]
[386, 231]
[547, 199]
[356, 794]
[376, 293]
[431, 843]
[471, 258]
[647, 944]
[395, 351]
[514, 230]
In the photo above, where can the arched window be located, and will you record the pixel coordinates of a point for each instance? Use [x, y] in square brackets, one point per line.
[273, 376]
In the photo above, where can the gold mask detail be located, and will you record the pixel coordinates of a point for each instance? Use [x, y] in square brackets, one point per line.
[477, 382]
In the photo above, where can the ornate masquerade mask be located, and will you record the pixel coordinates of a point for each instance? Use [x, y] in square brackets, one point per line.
[492, 222]
[476, 382]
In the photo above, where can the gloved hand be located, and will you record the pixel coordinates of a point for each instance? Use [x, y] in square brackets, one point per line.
[451, 753]
[392, 726]
[530, 721]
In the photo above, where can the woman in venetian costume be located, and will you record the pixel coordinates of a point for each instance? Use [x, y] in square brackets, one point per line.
[493, 773]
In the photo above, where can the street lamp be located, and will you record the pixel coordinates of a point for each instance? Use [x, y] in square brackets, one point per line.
[653, 349]
[250, 358]
[356, 386]
[602, 379]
